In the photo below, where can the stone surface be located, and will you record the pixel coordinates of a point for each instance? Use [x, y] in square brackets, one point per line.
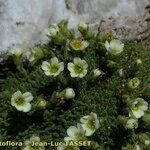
[25, 22]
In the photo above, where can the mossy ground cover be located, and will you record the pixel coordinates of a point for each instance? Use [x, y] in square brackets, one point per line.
[104, 95]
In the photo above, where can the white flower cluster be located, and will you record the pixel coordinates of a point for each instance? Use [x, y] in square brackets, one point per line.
[87, 126]
[77, 69]
[137, 106]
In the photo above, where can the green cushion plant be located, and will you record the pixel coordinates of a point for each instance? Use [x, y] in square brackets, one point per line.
[93, 88]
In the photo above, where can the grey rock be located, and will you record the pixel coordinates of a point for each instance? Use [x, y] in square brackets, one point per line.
[25, 22]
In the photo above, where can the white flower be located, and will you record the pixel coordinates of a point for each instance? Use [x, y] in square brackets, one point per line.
[16, 51]
[75, 133]
[138, 107]
[29, 144]
[30, 56]
[22, 101]
[69, 93]
[78, 68]
[97, 72]
[35, 53]
[79, 45]
[131, 123]
[115, 47]
[53, 68]
[52, 32]
[82, 26]
[90, 123]
[41, 103]
[134, 83]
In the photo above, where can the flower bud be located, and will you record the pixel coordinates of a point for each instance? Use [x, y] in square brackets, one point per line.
[41, 103]
[38, 53]
[96, 72]
[29, 56]
[52, 32]
[121, 72]
[131, 123]
[33, 55]
[16, 51]
[144, 138]
[138, 61]
[82, 26]
[128, 123]
[69, 93]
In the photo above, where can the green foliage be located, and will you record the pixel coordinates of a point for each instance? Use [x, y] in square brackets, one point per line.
[102, 95]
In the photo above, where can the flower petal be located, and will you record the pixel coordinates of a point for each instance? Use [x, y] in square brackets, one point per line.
[71, 131]
[84, 63]
[45, 65]
[61, 66]
[88, 131]
[27, 107]
[54, 60]
[47, 73]
[77, 60]
[17, 94]
[67, 139]
[83, 74]
[138, 114]
[73, 74]
[107, 45]
[28, 96]
[84, 119]
[70, 67]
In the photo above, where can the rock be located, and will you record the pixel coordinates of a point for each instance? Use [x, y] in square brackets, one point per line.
[25, 22]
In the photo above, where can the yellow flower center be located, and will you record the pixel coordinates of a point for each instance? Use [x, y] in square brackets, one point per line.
[91, 123]
[137, 105]
[53, 68]
[134, 83]
[109, 36]
[76, 44]
[79, 134]
[20, 101]
[78, 69]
